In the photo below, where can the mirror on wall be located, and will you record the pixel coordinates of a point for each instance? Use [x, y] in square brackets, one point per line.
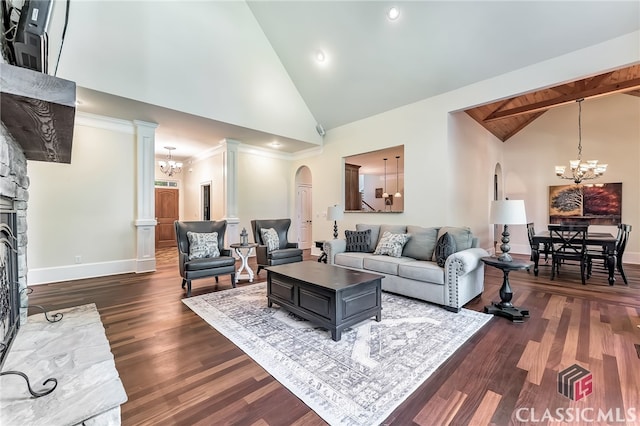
[373, 184]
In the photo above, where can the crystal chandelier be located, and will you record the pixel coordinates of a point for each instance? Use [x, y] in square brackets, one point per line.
[581, 170]
[170, 167]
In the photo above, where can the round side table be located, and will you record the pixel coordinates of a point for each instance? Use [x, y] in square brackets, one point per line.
[244, 251]
[505, 308]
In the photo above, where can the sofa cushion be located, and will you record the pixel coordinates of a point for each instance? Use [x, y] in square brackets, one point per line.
[203, 245]
[422, 242]
[351, 260]
[425, 271]
[375, 233]
[391, 244]
[270, 238]
[462, 235]
[358, 240]
[384, 264]
[445, 247]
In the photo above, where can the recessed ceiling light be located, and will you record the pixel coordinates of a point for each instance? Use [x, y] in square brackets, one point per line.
[275, 144]
[320, 56]
[393, 13]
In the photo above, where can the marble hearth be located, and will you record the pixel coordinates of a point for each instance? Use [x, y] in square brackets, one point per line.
[75, 351]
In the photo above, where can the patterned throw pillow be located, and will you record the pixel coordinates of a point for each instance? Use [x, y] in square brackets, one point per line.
[358, 241]
[392, 244]
[203, 244]
[445, 247]
[270, 239]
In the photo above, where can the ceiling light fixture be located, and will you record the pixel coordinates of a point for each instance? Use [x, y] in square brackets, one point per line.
[320, 56]
[581, 170]
[397, 194]
[393, 13]
[170, 167]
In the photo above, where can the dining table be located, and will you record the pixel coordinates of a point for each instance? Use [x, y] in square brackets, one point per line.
[601, 239]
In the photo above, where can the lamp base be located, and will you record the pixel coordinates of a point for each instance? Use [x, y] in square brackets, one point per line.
[335, 229]
[505, 257]
[505, 247]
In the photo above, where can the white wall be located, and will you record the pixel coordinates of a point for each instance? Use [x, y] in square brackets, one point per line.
[266, 189]
[449, 159]
[148, 51]
[86, 208]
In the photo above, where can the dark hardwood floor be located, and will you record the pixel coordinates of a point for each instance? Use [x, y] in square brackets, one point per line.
[176, 369]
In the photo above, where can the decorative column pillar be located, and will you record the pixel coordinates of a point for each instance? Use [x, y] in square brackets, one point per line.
[231, 190]
[145, 194]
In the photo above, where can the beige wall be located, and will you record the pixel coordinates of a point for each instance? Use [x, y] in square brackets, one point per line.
[86, 208]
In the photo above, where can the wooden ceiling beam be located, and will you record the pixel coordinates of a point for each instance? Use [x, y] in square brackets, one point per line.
[586, 93]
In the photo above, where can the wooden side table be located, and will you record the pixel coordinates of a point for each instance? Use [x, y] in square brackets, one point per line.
[244, 251]
[505, 308]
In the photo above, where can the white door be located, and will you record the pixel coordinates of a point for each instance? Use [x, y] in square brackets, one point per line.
[305, 216]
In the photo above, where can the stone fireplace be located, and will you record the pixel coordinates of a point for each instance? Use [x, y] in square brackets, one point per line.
[13, 212]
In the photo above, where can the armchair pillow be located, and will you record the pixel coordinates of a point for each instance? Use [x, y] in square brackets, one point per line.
[391, 244]
[270, 239]
[358, 241]
[203, 244]
[445, 247]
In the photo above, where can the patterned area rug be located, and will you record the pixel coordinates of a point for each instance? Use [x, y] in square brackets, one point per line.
[362, 378]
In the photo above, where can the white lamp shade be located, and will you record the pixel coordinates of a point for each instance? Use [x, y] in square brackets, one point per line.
[335, 213]
[508, 212]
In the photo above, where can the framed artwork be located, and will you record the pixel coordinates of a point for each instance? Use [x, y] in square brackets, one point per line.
[378, 192]
[597, 203]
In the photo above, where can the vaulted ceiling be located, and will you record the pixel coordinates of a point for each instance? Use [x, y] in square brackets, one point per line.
[507, 117]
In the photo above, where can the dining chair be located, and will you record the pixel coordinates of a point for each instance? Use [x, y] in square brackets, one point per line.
[568, 244]
[545, 247]
[599, 254]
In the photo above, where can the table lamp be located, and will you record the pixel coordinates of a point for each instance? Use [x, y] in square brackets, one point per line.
[507, 212]
[335, 214]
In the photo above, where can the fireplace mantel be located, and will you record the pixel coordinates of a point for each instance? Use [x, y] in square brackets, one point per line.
[39, 111]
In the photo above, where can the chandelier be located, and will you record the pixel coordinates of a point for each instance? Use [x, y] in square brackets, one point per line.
[170, 167]
[581, 170]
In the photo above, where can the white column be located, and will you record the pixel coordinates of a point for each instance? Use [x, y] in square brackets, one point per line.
[145, 207]
[231, 190]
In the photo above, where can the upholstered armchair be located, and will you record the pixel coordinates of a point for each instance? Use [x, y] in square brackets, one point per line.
[202, 253]
[276, 250]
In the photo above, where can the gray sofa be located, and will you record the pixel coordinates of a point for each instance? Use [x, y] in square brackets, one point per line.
[415, 273]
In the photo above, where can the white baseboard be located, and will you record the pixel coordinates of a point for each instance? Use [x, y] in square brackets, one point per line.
[85, 270]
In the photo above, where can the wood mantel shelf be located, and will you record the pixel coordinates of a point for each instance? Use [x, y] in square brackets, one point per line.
[39, 111]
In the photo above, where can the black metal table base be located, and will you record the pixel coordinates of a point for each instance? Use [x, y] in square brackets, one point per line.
[513, 313]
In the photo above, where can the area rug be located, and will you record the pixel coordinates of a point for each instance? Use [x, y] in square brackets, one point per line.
[362, 378]
[75, 351]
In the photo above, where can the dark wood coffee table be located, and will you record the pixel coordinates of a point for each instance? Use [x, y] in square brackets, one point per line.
[329, 296]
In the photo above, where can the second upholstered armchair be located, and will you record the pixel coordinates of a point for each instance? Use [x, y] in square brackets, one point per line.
[273, 245]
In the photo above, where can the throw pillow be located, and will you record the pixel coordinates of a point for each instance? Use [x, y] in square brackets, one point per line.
[445, 247]
[391, 244]
[270, 239]
[203, 244]
[375, 233]
[358, 241]
[422, 242]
